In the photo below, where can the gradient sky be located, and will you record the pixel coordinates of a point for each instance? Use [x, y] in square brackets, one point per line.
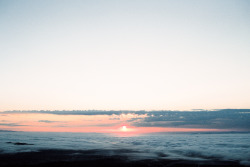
[124, 54]
[136, 121]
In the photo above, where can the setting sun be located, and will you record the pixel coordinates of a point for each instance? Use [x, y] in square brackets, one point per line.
[124, 128]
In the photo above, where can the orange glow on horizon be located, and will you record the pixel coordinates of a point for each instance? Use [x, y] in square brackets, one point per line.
[31, 122]
[114, 130]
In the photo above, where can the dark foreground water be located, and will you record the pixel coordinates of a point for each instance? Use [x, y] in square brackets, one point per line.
[90, 149]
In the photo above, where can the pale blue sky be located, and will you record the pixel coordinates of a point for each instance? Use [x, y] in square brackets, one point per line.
[124, 54]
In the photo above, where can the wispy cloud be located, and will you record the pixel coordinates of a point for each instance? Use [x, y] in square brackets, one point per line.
[81, 112]
[47, 121]
[114, 118]
[11, 124]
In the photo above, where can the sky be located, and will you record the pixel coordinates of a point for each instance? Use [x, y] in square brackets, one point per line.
[124, 54]
[126, 122]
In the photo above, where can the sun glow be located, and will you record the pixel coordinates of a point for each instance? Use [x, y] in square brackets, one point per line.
[124, 128]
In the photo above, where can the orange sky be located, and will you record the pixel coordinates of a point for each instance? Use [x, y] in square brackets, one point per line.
[81, 123]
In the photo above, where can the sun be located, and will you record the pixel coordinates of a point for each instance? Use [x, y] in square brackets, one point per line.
[126, 131]
[124, 128]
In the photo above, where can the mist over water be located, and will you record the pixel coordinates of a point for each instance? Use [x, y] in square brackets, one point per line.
[173, 146]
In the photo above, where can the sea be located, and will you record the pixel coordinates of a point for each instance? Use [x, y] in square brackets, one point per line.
[209, 146]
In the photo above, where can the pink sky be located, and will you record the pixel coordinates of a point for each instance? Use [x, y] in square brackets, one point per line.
[82, 123]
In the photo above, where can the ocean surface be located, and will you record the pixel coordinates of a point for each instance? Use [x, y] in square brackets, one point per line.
[173, 146]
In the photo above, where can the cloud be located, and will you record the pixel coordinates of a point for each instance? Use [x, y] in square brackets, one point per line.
[11, 124]
[3, 115]
[223, 119]
[134, 119]
[47, 121]
[80, 112]
[215, 119]
[114, 118]
[106, 125]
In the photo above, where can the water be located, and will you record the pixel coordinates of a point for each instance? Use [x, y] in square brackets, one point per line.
[185, 146]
